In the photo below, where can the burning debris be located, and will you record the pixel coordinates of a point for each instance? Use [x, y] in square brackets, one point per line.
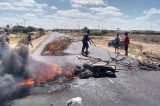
[17, 71]
[43, 71]
[57, 46]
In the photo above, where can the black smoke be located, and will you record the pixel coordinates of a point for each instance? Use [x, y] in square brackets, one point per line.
[13, 63]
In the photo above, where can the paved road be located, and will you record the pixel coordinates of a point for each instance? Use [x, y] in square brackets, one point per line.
[130, 88]
[72, 52]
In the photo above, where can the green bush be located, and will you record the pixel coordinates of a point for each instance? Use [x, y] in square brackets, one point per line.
[30, 29]
[85, 29]
[100, 33]
[22, 29]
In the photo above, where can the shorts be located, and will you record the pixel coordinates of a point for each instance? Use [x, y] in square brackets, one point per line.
[117, 44]
[125, 47]
[29, 41]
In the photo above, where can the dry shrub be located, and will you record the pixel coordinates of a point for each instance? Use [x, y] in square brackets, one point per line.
[146, 38]
[135, 49]
[150, 60]
[57, 46]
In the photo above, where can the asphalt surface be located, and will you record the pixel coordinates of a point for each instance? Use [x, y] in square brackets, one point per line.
[129, 88]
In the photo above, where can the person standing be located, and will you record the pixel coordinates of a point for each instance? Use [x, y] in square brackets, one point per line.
[117, 42]
[7, 39]
[85, 41]
[29, 40]
[126, 43]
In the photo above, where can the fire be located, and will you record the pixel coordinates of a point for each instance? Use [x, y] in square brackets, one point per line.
[46, 71]
[69, 72]
[28, 82]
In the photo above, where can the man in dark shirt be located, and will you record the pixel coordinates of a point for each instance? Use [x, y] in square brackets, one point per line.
[126, 43]
[85, 41]
[29, 40]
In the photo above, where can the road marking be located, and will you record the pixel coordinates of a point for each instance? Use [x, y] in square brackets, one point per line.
[111, 81]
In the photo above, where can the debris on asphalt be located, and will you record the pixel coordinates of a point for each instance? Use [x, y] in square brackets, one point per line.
[57, 47]
[150, 60]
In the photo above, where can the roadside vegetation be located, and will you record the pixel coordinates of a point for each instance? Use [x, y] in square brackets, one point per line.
[18, 34]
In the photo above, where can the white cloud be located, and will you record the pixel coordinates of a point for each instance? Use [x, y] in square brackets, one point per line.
[53, 8]
[109, 11]
[30, 15]
[9, 6]
[23, 5]
[148, 14]
[73, 13]
[108, 17]
[87, 2]
[76, 5]
[28, 1]
[152, 11]
[5, 5]
[41, 6]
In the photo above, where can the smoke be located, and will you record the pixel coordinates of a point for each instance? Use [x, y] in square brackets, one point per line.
[13, 63]
[7, 86]
[16, 66]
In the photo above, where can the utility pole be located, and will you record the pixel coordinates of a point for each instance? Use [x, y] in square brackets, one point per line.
[98, 27]
[24, 21]
[78, 26]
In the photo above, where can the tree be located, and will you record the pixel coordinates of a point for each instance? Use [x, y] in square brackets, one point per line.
[41, 31]
[30, 29]
[7, 26]
[103, 32]
[85, 29]
[19, 29]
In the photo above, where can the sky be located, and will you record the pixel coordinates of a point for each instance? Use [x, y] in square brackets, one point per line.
[76, 14]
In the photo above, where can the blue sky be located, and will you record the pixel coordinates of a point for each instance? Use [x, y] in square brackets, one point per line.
[103, 14]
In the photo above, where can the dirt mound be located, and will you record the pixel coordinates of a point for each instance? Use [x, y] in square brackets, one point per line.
[56, 47]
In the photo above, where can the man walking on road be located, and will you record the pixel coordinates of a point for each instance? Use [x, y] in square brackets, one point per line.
[126, 43]
[85, 41]
[29, 40]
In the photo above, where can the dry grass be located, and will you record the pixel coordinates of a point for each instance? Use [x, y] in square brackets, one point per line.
[135, 49]
[18, 39]
[57, 46]
[145, 38]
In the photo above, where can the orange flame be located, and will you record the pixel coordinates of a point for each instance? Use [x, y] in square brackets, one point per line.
[48, 71]
[69, 72]
[28, 82]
